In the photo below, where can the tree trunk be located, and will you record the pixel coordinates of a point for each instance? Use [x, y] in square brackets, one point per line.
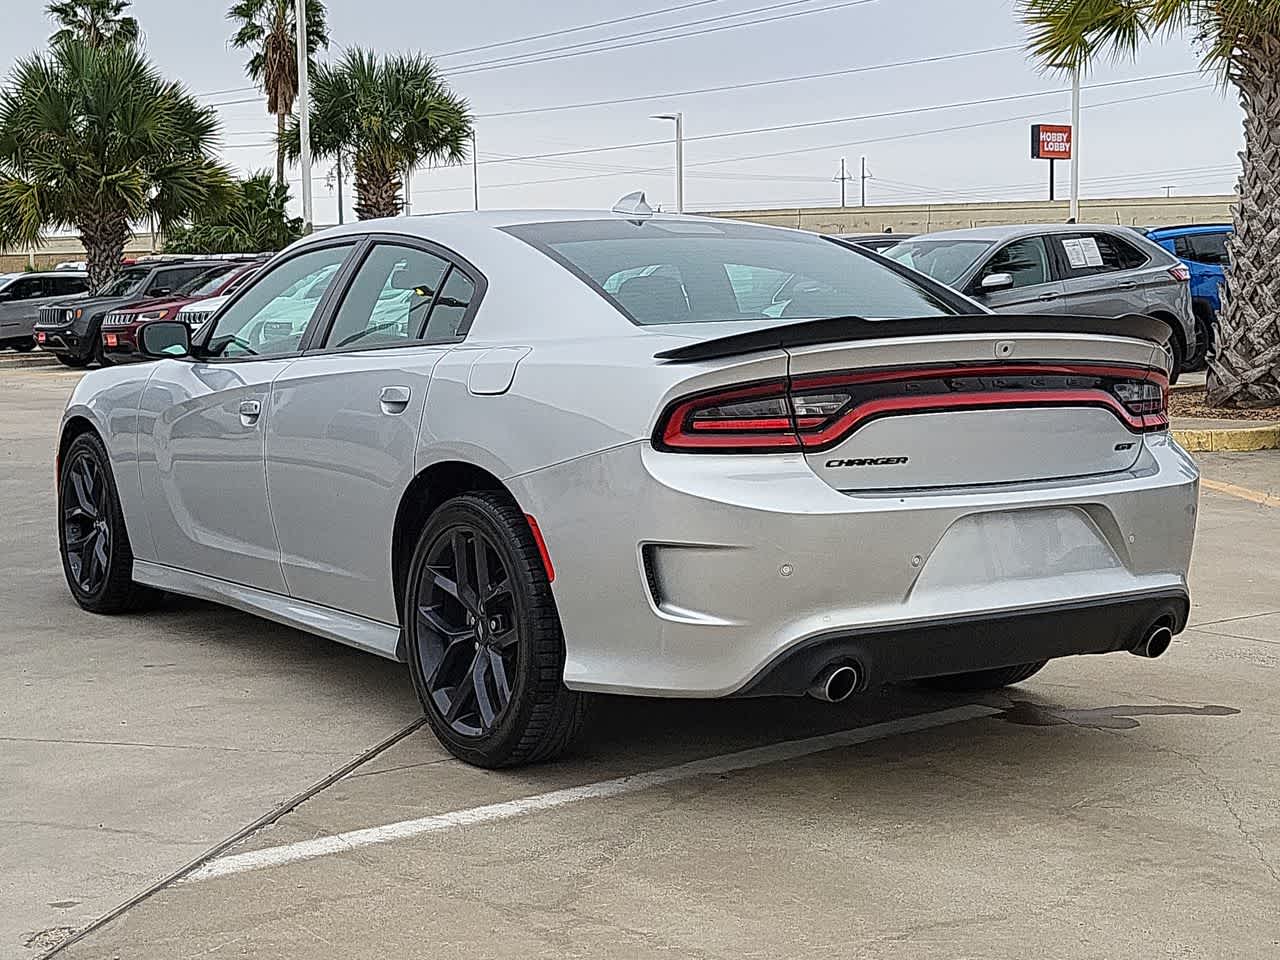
[280, 148]
[1245, 371]
[377, 189]
[104, 237]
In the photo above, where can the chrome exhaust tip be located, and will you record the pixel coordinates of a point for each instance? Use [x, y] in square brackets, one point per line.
[835, 683]
[1155, 641]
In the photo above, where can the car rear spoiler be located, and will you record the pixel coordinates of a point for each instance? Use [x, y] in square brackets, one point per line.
[837, 329]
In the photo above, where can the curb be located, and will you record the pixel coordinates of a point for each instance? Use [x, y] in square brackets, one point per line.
[1230, 439]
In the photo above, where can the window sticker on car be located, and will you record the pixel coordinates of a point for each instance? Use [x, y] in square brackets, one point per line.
[1075, 252]
[1092, 256]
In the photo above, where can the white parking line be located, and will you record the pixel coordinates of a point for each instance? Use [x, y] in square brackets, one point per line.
[742, 760]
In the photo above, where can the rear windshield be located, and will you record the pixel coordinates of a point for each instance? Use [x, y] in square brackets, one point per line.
[681, 271]
[944, 260]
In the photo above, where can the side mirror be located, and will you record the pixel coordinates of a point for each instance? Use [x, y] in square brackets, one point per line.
[164, 338]
[996, 281]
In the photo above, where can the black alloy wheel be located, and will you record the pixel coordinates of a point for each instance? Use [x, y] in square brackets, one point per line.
[483, 638]
[85, 530]
[96, 556]
[468, 639]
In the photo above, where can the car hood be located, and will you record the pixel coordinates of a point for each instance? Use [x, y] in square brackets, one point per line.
[158, 303]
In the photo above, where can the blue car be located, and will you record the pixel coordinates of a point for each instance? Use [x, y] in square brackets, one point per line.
[1203, 248]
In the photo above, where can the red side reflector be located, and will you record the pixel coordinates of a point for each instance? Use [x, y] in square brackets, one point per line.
[110, 339]
[542, 548]
[39, 338]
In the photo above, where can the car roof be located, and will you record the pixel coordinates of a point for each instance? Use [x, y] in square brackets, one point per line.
[45, 273]
[1191, 229]
[996, 233]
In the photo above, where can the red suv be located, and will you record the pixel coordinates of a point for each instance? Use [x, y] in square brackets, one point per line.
[120, 327]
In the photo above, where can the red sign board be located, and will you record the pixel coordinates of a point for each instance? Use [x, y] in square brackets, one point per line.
[1050, 141]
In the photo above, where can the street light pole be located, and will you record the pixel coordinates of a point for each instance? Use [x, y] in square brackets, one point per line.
[1075, 145]
[678, 117]
[304, 117]
[475, 172]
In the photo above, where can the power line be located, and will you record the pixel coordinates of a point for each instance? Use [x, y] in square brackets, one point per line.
[578, 29]
[542, 57]
[747, 86]
[986, 101]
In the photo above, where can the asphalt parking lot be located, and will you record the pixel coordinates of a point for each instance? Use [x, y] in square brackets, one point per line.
[1111, 807]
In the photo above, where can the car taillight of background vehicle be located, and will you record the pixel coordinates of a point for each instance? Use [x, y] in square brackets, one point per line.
[1180, 273]
[816, 413]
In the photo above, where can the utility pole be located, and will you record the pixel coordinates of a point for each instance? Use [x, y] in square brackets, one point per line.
[304, 117]
[844, 179]
[865, 176]
[475, 172]
[405, 186]
[1075, 145]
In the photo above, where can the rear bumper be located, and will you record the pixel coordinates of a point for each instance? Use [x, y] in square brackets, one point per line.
[691, 575]
[974, 642]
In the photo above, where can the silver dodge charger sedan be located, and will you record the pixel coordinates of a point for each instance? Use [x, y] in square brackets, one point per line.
[538, 454]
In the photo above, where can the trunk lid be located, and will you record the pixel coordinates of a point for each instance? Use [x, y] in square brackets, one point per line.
[980, 408]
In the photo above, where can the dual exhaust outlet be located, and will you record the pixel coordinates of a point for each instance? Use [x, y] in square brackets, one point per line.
[837, 682]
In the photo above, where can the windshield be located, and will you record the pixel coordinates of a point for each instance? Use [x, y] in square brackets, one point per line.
[125, 284]
[204, 284]
[944, 260]
[684, 271]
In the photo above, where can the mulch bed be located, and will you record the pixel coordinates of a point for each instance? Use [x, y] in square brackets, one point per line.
[1191, 403]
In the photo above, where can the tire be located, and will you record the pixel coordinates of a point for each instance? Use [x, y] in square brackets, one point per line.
[985, 679]
[1199, 358]
[96, 557]
[1178, 363]
[100, 354]
[71, 360]
[464, 656]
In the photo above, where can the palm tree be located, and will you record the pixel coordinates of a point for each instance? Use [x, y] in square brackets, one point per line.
[268, 28]
[255, 220]
[1239, 40]
[96, 22]
[389, 115]
[94, 138]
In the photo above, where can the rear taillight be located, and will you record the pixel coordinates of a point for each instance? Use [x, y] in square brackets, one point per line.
[815, 413]
[1180, 273]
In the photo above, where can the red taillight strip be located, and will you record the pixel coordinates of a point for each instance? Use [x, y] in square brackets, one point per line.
[729, 434]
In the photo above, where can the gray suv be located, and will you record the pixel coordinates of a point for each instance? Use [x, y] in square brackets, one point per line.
[23, 294]
[1067, 269]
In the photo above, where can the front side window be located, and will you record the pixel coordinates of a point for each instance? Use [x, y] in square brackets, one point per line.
[25, 288]
[388, 300]
[270, 317]
[943, 259]
[125, 284]
[1027, 261]
[678, 271]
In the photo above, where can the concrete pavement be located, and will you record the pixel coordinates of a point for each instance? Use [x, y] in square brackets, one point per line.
[1110, 807]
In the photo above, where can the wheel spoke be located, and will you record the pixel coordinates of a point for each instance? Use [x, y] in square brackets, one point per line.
[464, 692]
[100, 552]
[430, 618]
[478, 670]
[482, 572]
[80, 486]
[501, 686]
[464, 574]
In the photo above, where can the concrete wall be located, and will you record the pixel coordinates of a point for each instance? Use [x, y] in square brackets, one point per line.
[57, 250]
[927, 217]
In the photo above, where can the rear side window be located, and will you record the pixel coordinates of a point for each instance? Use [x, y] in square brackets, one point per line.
[682, 271]
[389, 299]
[1206, 248]
[1089, 254]
[67, 286]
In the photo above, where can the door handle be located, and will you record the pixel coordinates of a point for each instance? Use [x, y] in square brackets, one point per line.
[249, 411]
[1049, 296]
[395, 399]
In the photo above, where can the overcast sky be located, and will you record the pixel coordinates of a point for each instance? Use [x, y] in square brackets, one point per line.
[1177, 131]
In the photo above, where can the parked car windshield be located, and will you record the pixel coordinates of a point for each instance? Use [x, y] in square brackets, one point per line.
[125, 284]
[204, 284]
[684, 271]
[944, 260]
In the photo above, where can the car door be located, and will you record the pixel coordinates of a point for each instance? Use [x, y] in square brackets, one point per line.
[19, 302]
[1102, 275]
[1035, 289]
[202, 430]
[345, 420]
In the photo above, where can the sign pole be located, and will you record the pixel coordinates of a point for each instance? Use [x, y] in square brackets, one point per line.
[1075, 145]
[1051, 178]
